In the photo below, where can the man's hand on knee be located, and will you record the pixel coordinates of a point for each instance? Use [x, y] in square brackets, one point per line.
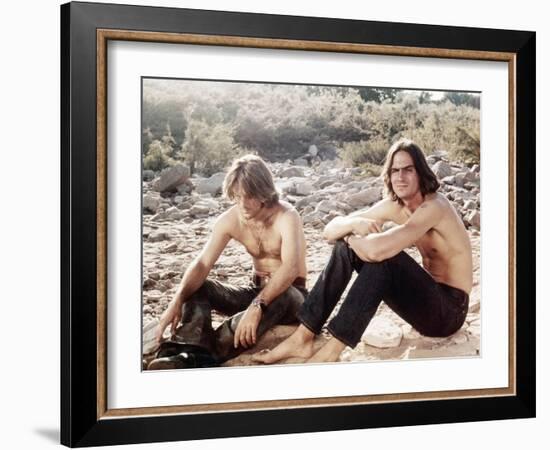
[245, 334]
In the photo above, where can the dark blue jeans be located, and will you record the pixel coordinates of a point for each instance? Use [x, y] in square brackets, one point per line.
[196, 323]
[434, 309]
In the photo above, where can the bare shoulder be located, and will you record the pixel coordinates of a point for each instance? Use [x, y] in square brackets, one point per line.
[287, 217]
[384, 211]
[434, 208]
[437, 202]
[227, 221]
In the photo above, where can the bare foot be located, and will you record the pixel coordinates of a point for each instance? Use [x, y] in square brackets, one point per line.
[298, 345]
[330, 352]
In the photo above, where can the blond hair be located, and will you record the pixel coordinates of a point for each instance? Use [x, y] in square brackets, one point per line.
[251, 174]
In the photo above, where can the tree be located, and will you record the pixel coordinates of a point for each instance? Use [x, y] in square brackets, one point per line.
[208, 149]
[461, 98]
[378, 95]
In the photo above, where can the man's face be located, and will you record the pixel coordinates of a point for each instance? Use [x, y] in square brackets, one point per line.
[403, 176]
[249, 207]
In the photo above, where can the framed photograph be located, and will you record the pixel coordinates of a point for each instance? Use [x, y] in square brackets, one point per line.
[158, 107]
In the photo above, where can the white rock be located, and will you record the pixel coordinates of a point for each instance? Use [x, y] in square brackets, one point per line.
[304, 188]
[158, 236]
[171, 177]
[474, 219]
[212, 185]
[327, 206]
[442, 169]
[170, 248]
[460, 337]
[151, 201]
[382, 333]
[291, 172]
[364, 198]
[313, 150]
[451, 179]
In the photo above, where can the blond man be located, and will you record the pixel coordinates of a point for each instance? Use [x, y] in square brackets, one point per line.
[270, 231]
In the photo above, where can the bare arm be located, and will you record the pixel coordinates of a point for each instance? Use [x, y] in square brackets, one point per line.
[360, 223]
[292, 249]
[195, 274]
[381, 246]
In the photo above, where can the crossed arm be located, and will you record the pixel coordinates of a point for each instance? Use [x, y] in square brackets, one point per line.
[376, 247]
[363, 233]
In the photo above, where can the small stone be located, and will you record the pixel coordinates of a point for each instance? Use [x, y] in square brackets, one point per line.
[151, 202]
[327, 206]
[291, 172]
[170, 248]
[442, 169]
[149, 283]
[159, 216]
[212, 185]
[382, 333]
[304, 188]
[460, 337]
[474, 219]
[158, 236]
[451, 179]
[301, 162]
[365, 197]
[147, 175]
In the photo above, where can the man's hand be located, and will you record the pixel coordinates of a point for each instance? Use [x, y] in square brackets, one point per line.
[362, 226]
[245, 334]
[172, 316]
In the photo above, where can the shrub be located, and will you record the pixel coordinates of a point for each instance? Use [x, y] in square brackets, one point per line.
[209, 149]
[157, 157]
[365, 152]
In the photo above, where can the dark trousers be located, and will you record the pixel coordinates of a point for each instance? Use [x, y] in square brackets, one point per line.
[196, 323]
[434, 309]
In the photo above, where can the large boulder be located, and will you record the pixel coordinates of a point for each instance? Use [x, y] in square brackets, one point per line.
[212, 185]
[171, 177]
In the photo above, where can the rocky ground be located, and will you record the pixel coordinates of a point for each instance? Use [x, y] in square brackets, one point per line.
[179, 211]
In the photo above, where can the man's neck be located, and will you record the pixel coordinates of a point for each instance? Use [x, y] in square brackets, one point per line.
[263, 216]
[413, 203]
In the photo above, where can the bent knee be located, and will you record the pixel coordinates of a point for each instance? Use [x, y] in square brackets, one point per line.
[202, 292]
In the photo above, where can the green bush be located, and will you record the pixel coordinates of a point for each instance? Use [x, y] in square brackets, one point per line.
[209, 149]
[157, 157]
[371, 152]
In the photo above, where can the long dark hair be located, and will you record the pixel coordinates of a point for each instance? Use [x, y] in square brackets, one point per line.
[427, 179]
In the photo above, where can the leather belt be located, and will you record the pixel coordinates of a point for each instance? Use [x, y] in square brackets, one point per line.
[261, 280]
